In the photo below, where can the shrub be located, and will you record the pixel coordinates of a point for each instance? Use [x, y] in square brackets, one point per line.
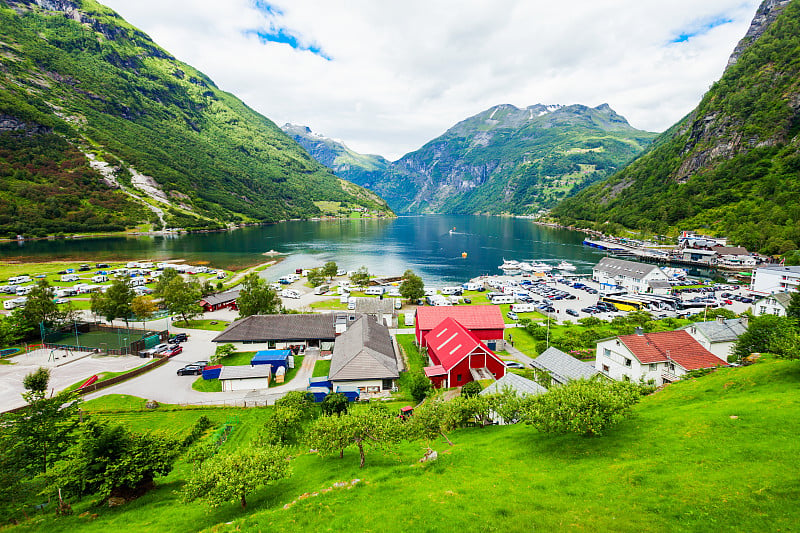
[584, 407]
[473, 388]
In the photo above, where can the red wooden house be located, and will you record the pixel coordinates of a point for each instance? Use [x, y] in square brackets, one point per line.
[485, 322]
[223, 300]
[457, 356]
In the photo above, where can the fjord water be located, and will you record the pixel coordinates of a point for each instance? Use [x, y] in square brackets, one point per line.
[424, 244]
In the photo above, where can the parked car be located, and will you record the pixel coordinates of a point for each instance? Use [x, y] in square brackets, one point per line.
[514, 364]
[467, 301]
[178, 338]
[174, 350]
[201, 364]
[161, 348]
[190, 370]
[571, 312]
[512, 315]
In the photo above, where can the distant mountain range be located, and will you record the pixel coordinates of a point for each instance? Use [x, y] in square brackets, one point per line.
[503, 160]
[732, 166]
[102, 130]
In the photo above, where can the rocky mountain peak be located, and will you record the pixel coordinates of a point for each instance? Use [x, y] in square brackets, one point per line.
[764, 17]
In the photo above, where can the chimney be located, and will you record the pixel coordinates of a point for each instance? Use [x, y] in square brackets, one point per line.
[744, 320]
[639, 331]
[720, 320]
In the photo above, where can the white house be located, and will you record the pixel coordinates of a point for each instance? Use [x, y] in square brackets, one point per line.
[734, 256]
[632, 276]
[774, 304]
[718, 336]
[776, 278]
[234, 378]
[658, 357]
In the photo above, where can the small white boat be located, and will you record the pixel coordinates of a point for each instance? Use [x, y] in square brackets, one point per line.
[538, 266]
[510, 267]
[566, 265]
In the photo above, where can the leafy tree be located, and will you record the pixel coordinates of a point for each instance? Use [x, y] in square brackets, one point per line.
[581, 406]
[412, 287]
[42, 430]
[300, 400]
[233, 476]
[206, 288]
[508, 405]
[419, 386]
[256, 297]
[315, 277]
[113, 461]
[40, 306]
[362, 428]
[286, 425]
[473, 388]
[11, 331]
[181, 297]
[335, 403]
[793, 310]
[432, 419]
[143, 307]
[115, 302]
[168, 275]
[360, 278]
[221, 353]
[769, 334]
[330, 269]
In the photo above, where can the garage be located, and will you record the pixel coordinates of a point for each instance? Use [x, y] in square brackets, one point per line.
[238, 378]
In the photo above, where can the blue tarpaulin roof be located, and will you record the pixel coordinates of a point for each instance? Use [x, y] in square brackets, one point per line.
[265, 357]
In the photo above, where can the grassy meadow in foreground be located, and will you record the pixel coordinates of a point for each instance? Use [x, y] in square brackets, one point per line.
[715, 453]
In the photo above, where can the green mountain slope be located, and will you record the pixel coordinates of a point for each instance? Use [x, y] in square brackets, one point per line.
[509, 160]
[732, 166]
[155, 126]
[345, 163]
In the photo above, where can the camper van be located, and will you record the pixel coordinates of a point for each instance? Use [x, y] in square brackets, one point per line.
[452, 290]
[430, 292]
[374, 291]
[99, 278]
[137, 282]
[523, 308]
[23, 290]
[290, 293]
[18, 280]
[322, 289]
[472, 286]
[502, 299]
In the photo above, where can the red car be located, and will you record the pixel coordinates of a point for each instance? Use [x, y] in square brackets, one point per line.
[175, 350]
[727, 302]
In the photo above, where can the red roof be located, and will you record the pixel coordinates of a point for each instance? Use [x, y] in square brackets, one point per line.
[469, 316]
[450, 342]
[438, 370]
[677, 346]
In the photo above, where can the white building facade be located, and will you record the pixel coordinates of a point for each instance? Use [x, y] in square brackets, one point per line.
[632, 276]
[777, 278]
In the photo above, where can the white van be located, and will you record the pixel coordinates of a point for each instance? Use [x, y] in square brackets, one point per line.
[374, 291]
[290, 293]
[7, 289]
[8, 305]
[23, 290]
[430, 292]
[137, 282]
[502, 299]
[18, 280]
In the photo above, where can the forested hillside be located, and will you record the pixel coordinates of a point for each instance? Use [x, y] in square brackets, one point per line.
[732, 166]
[165, 132]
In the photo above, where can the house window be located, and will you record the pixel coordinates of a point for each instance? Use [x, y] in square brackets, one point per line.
[627, 362]
[605, 369]
[387, 384]
[671, 367]
[626, 377]
[458, 378]
[654, 366]
[606, 352]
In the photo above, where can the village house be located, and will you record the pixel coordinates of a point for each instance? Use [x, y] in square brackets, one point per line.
[364, 359]
[775, 278]
[457, 356]
[734, 256]
[280, 332]
[516, 384]
[775, 304]
[653, 357]
[222, 300]
[561, 367]
[381, 310]
[718, 336]
[485, 322]
[631, 276]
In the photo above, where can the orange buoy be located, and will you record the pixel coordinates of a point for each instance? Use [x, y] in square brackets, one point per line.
[464, 255]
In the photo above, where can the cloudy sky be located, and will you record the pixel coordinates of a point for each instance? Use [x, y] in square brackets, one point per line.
[387, 76]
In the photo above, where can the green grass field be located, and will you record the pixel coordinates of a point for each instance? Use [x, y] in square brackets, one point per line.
[217, 325]
[718, 453]
[321, 368]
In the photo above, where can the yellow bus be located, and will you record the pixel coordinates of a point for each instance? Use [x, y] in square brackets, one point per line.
[624, 303]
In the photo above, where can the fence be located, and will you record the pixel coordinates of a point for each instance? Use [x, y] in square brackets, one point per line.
[118, 379]
[101, 337]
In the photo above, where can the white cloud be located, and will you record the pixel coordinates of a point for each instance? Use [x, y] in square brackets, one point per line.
[401, 73]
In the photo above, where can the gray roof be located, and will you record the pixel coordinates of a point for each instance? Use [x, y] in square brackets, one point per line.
[518, 384]
[364, 351]
[659, 284]
[374, 306]
[631, 269]
[563, 367]
[782, 268]
[245, 371]
[220, 298]
[719, 330]
[262, 328]
[783, 298]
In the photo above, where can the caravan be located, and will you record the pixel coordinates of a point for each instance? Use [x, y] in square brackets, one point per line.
[523, 308]
[502, 299]
[374, 291]
[471, 286]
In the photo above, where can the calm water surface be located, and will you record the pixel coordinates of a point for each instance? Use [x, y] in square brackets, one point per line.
[423, 244]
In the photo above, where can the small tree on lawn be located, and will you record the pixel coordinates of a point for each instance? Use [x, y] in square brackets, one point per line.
[362, 428]
[473, 388]
[229, 477]
[286, 424]
[360, 278]
[181, 297]
[335, 403]
[431, 420]
[330, 269]
[256, 297]
[143, 307]
[412, 287]
[221, 353]
[769, 334]
[585, 407]
[315, 277]
[115, 302]
[419, 386]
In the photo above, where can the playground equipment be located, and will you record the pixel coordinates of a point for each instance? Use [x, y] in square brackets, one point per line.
[89, 381]
[54, 354]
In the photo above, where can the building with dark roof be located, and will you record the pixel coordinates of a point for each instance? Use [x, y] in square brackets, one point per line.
[658, 357]
[269, 332]
[718, 336]
[222, 300]
[364, 358]
[562, 367]
[632, 276]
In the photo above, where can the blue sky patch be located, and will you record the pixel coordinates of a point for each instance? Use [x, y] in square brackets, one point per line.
[699, 28]
[276, 32]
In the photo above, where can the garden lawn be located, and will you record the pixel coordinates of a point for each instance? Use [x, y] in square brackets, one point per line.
[218, 325]
[238, 359]
[718, 453]
[207, 385]
[321, 368]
